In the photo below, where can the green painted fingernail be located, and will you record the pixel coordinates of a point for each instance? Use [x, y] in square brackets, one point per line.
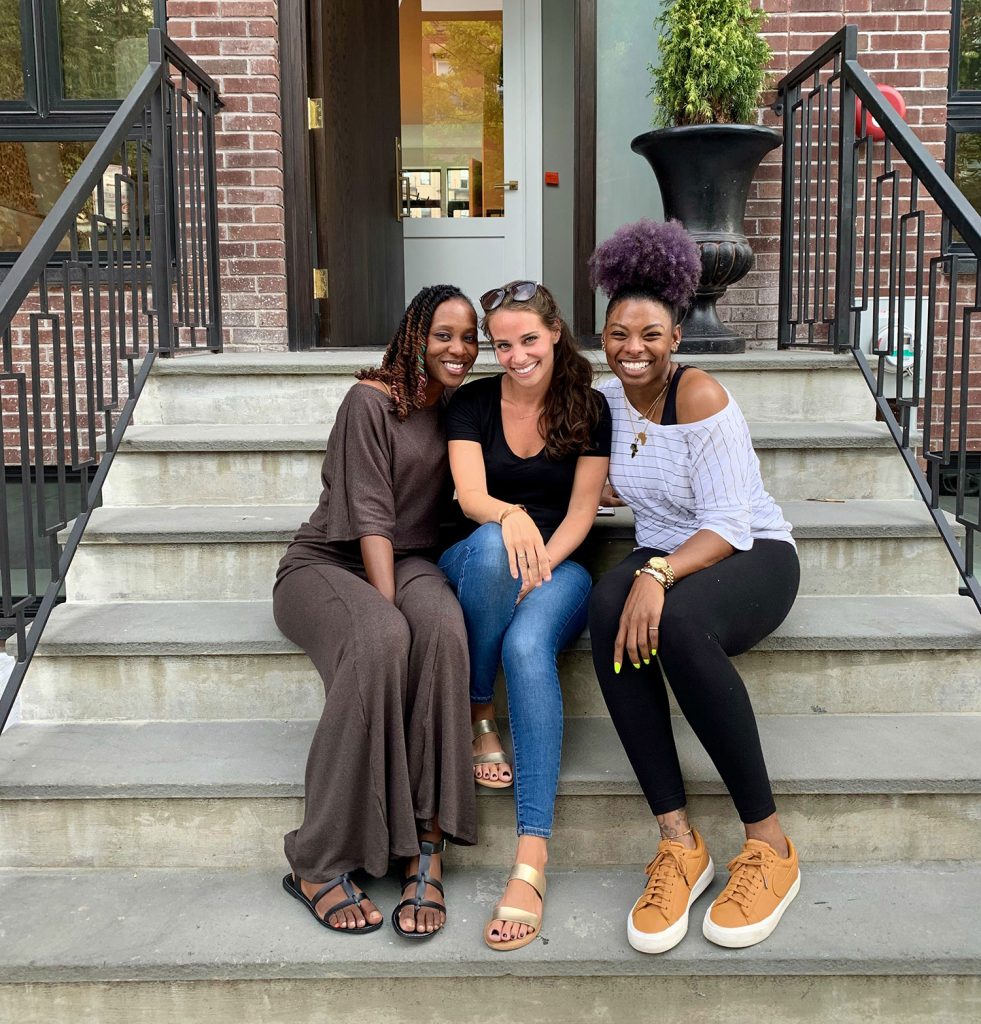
[647, 661]
[636, 664]
[654, 652]
[616, 667]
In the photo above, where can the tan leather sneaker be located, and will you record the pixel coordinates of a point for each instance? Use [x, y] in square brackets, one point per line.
[676, 877]
[760, 888]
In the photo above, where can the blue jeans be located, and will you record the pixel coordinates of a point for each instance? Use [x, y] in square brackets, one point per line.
[526, 639]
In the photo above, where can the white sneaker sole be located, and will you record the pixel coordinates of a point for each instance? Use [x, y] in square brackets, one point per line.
[661, 942]
[750, 934]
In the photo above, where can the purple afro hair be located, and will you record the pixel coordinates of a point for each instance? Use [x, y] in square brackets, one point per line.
[659, 258]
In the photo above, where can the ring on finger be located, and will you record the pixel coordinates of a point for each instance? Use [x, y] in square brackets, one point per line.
[652, 629]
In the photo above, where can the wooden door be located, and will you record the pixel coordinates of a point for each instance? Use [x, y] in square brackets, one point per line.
[354, 51]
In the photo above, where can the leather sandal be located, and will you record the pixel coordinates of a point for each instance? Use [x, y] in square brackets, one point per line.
[421, 879]
[354, 898]
[488, 725]
[515, 915]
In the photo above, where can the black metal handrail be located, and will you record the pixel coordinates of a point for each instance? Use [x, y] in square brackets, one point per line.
[857, 218]
[123, 268]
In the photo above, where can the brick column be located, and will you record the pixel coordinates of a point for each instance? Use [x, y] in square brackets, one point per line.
[237, 42]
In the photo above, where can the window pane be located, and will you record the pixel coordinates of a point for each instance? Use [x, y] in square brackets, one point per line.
[452, 108]
[967, 170]
[32, 177]
[969, 58]
[103, 46]
[11, 60]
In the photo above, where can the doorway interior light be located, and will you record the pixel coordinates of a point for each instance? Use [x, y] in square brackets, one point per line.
[454, 6]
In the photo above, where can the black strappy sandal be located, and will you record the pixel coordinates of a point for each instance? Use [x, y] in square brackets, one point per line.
[354, 898]
[421, 879]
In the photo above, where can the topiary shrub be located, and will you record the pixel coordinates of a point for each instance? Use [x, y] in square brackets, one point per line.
[713, 63]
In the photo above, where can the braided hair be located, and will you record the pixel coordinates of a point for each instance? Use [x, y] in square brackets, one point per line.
[403, 366]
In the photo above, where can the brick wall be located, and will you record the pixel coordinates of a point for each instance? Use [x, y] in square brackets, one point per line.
[237, 43]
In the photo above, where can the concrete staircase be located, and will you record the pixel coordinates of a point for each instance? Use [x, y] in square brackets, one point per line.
[165, 725]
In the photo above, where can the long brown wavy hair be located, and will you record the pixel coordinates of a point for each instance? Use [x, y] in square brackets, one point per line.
[572, 409]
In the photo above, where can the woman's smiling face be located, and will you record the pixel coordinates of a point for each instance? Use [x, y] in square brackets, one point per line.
[639, 337]
[524, 346]
[451, 345]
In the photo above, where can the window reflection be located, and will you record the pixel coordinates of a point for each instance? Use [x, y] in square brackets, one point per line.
[11, 60]
[34, 174]
[452, 108]
[103, 46]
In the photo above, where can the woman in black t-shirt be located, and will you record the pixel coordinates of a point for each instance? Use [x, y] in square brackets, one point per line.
[529, 452]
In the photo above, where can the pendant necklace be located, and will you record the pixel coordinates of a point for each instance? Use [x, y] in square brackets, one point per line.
[640, 436]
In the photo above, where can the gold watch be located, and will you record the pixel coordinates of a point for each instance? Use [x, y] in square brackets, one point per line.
[663, 566]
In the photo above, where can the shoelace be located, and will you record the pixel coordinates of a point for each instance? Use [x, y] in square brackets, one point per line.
[747, 872]
[663, 872]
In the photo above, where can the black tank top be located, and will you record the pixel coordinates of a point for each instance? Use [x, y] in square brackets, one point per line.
[670, 415]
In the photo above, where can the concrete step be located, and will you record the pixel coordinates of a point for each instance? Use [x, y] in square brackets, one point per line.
[896, 943]
[307, 387]
[269, 463]
[160, 553]
[222, 794]
[218, 659]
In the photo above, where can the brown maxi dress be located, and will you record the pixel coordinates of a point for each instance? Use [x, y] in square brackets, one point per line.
[392, 749]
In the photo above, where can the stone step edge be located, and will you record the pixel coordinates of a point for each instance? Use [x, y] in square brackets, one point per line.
[850, 623]
[852, 519]
[348, 361]
[851, 754]
[212, 926]
[205, 438]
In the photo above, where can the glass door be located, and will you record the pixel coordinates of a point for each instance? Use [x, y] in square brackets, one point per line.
[466, 93]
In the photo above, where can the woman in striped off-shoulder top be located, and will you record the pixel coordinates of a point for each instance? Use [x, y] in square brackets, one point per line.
[714, 572]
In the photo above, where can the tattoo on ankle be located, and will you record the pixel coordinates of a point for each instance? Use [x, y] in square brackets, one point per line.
[675, 828]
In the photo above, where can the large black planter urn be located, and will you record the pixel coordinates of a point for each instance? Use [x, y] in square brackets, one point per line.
[704, 172]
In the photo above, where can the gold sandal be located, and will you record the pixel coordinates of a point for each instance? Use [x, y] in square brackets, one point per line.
[515, 915]
[486, 725]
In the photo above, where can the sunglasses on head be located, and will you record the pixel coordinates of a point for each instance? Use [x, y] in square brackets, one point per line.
[520, 291]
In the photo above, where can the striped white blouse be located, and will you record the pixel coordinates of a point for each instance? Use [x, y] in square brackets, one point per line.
[690, 477]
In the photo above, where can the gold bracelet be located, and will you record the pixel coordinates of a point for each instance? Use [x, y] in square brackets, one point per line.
[508, 511]
[656, 574]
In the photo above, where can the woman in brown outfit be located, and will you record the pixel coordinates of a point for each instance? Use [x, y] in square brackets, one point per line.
[389, 771]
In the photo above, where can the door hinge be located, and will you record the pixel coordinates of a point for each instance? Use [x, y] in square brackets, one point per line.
[319, 283]
[315, 113]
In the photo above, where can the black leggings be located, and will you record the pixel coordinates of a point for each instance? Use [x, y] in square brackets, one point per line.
[709, 615]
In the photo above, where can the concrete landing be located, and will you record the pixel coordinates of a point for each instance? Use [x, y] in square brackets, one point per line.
[199, 925]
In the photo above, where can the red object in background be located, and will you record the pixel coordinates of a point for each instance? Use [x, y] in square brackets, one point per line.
[872, 129]
[551, 177]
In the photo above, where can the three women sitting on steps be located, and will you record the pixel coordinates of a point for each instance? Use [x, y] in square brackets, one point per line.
[715, 571]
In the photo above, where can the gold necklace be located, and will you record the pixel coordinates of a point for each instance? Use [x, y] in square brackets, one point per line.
[641, 435]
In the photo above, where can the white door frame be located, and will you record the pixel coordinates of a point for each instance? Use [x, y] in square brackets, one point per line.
[522, 227]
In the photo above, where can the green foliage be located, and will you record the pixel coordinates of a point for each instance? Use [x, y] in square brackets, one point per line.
[712, 62]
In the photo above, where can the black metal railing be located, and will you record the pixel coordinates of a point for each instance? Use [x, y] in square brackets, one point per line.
[879, 256]
[123, 268]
